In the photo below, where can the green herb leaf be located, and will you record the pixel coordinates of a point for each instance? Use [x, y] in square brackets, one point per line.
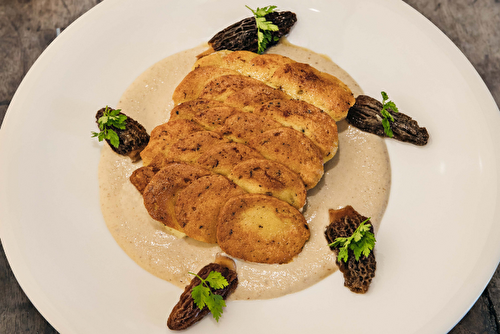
[113, 138]
[203, 296]
[387, 127]
[387, 116]
[110, 118]
[215, 304]
[216, 280]
[361, 242]
[200, 295]
[264, 28]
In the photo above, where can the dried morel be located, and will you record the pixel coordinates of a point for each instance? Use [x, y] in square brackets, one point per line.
[132, 139]
[186, 313]
[357, 274]
[365, 115]
[242, 35]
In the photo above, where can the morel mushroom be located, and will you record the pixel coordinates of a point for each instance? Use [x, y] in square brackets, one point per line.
[132, 140]
[186, 313]
[242, 35]
[365, 115]
[357, 274]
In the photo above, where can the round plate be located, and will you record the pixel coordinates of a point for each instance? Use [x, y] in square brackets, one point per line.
[437, 246]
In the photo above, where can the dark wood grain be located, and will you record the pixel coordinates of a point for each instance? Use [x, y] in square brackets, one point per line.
[3, 111]
[17, 314]
[473, 25]
[27, 27]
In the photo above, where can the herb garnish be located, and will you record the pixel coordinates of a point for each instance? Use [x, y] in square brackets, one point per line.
[360, 242]
[110, 118]
[387, 116]
[203, 295]
[264, 27]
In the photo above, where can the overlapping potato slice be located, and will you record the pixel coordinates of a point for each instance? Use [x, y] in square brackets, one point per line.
[141, 177]
[222, 158]
[270, 108]
[263, 66]
[241, 127]
[214, 59]
[210, 114]
[192, 85]
[271, 178]
[298, 80]
[221, 88]
[307, 119]
[233, 89]
[161, 192]
[191, 107]
[260, 228]
[165, 135]
[304, 82]
[191, 147]
[260, 67]
[211, 119]
[198, 205]
[252, 97]
[238, 61]
[292, 149]
[240, 91]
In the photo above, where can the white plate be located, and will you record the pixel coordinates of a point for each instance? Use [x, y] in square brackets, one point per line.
[438, 242]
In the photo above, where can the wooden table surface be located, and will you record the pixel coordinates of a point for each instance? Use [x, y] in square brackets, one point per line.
[28, 26]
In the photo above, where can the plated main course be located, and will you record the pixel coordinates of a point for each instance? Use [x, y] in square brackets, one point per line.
[243, 148]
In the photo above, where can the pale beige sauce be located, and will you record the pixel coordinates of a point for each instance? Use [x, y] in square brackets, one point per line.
[359, 175]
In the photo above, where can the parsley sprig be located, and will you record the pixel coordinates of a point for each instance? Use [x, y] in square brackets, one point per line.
[110, 118]
[387, 116]
[360, 242]
[264, 27]
[203, 296]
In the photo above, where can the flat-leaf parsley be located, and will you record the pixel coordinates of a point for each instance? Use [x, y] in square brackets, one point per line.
[264, 27]
[110, 118]
[203, 296]
[360, 242]
[387, 116]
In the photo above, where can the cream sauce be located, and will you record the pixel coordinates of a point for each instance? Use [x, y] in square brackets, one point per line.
[359, 175]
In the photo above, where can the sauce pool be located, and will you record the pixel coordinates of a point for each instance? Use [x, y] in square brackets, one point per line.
[359, 175]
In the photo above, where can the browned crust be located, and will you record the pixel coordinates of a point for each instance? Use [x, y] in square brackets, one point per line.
[193, 106]
[141, 177]
[222, 87]
[260, 228]
[292, 149]
[301, 116]
[298, 80]
[192, 85]
[222, 158]
[241, 127]
[270, 178]
[304, 82]
[164, 136]
[251, 97]
[191, 147]
[161, 192]
[198, 205]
